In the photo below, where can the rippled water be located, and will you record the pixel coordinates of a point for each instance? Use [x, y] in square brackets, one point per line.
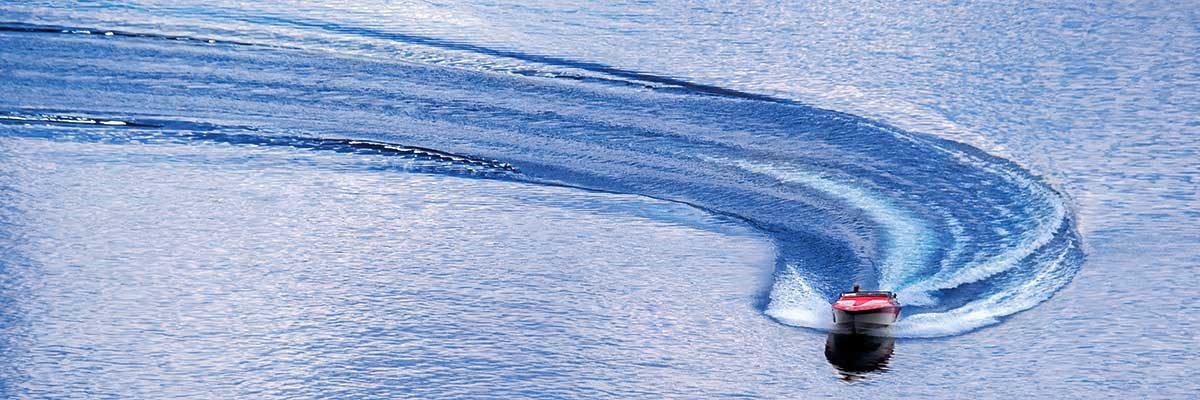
[219, 270]
[420, 200]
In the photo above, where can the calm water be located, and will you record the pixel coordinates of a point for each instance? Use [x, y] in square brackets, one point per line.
[634, 200]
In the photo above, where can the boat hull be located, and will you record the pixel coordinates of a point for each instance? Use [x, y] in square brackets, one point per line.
[871, 322]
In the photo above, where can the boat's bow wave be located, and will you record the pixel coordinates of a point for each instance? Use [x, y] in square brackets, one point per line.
[964, 238]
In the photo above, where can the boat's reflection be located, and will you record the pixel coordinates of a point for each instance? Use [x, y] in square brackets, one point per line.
[856, 356]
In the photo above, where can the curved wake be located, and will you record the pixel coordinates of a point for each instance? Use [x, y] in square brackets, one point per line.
[964, 237]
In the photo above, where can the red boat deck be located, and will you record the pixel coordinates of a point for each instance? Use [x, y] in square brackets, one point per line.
[862, 303]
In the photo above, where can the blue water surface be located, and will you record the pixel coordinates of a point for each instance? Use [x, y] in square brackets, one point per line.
[628, 200]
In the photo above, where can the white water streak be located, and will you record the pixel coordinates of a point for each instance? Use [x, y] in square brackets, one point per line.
[907, 247]
[794, 302]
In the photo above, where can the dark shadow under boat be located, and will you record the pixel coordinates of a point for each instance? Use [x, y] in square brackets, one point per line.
[856, 356]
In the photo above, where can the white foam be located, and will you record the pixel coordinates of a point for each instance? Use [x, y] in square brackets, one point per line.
[1046, 224]
[907, 247]
[794, 302]
[987, 310]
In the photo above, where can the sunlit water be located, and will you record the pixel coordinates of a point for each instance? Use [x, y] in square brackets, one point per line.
[467, 200]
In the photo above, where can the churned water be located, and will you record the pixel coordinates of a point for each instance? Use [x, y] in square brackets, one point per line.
[630, 200]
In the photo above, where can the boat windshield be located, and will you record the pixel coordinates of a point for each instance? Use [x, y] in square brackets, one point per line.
[877, 293]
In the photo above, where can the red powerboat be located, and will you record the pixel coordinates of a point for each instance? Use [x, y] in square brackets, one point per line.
[865, 312]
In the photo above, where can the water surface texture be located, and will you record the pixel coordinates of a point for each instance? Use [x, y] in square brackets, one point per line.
[635, 200]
